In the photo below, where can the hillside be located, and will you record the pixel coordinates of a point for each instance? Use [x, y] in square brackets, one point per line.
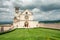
[6, 22]
[54, 21]
[32, 34]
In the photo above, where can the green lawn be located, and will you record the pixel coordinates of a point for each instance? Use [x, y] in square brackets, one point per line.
[32, 34]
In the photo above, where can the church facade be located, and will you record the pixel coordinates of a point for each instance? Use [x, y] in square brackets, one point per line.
[24, 19]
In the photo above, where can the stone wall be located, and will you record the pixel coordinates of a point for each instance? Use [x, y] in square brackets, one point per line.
[5, 28]
[50, 25]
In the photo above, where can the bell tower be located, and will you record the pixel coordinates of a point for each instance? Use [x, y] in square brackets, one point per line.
[17, 9]
[17, 16]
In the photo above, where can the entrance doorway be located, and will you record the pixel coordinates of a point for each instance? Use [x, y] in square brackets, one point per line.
[26, 24]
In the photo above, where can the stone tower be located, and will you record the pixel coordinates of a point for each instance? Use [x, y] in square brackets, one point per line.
[24, 20]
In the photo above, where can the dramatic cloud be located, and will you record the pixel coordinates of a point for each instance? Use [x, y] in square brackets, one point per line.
[42, 9]
[6, 10]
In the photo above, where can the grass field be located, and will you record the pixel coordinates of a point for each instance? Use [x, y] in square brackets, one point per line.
[32, 34]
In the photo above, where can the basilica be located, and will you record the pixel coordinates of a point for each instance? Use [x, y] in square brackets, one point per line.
[24, 19]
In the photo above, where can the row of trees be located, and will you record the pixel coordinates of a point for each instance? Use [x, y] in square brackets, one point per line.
[55, 21]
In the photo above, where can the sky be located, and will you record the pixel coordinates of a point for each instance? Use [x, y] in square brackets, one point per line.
[42, 9]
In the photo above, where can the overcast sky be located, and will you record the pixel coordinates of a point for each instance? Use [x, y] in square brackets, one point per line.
[42, 9]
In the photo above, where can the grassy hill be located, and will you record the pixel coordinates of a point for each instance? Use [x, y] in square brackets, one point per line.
[32, 34]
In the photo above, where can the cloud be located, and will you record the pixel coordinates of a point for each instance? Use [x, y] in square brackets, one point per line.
[6, 10]
[50, 7]
[36, 10]
[42, 9]
[31, 4]
[49, 15]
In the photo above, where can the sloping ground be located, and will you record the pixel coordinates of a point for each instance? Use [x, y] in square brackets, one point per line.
[32, 34]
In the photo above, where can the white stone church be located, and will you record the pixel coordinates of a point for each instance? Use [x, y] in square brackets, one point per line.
[24, 19]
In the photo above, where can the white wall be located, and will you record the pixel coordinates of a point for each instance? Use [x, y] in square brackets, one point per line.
[20, 24]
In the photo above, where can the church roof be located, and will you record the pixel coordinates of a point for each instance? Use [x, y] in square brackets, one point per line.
[27, 11]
